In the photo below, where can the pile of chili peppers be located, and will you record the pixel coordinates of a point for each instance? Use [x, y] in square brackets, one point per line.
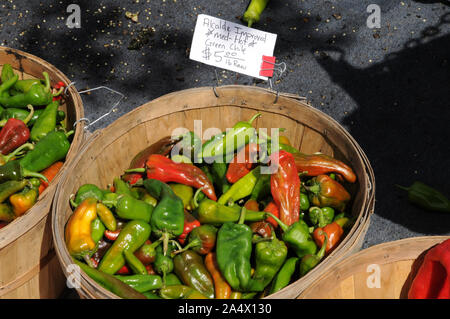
[182, 224]
[33, 140]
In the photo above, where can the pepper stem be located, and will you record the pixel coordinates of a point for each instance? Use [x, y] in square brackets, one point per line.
[17, 151]
[254, 117]
[70, 133]
[242, 217]
[61, 89]
[88, 260]
[194, 199]
[313, 189]
[195, 243]
[321, 252]
[27, 173]
[30, 116]
[283, 226]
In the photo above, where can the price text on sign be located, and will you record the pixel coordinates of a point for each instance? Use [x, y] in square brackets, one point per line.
[231, 46]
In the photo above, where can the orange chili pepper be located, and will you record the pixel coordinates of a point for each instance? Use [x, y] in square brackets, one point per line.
[334, 232]
[50, 172]
[252, 204]
[221, 286]
[21, 202]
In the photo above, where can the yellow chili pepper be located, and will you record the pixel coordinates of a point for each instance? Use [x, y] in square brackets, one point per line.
[78, 230]
[107, 217]
[21, 202]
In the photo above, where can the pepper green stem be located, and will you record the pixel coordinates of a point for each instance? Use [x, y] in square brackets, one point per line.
[70, 133]
[88, 260]
[195, 198]
[195, 243]
[58, 92]
[254, 117]
[321, 252]
[17, 151]
[313, 189]
[165, 240]
[30, 115]
[242, 217]
[403, 187]
[283, 226]
[72, 202]
[28, 173]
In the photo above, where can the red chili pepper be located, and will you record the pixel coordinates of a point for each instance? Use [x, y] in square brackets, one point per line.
[252, 204]
[94, 262]
[50, 172]
[14, 134]
[150, 270]
[124, 270]
[272, 208]
[60, 87]
[242, 163]
[112, 235]
[189, 224]
[285, 187]
[164, 169]
[432, 280]
[317, 164]
[163, 147]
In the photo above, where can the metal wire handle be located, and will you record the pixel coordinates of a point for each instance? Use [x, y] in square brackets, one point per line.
[112, 110]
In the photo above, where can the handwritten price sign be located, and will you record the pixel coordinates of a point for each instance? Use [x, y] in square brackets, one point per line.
[230, 46]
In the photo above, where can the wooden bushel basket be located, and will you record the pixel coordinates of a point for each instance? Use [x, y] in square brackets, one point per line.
[383, 271]
[109, 151]
[28, 263]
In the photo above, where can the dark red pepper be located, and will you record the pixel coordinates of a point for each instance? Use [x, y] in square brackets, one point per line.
[242, 163]
[163, 147]
[112, 235]
[14, 134]
[285, 187]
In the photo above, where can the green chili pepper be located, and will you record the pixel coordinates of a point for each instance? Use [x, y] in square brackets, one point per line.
[14, 171]
[218, 172]
[309, 261]
[172, 279]
[167, 219]
[262, 187]
[163, 264]
[142, 283]
[109, 282]
[6, 213]
[10, 187]
[37, 94]
[122, 188]
[151, 295]
[283, 277]
[269, 256]
[22, 114]
[189, 267]
[320, 217]
[297, 236]
[233, 251]
[131, 237]
[88, 190]
[180, 292]
[128, 207]
[145, 196]
[254, 10]
[136, 266]
[242, 188]
[224, 145]
[50, 149]
[45, 123]
[6, 85]
[25, 85]
[97, 231]
[211, 212]
[304, 202]
[7, 72]
[427, 197]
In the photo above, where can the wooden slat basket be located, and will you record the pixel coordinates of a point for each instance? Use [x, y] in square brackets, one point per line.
[28, 263]
[383, 271]
[108, 153]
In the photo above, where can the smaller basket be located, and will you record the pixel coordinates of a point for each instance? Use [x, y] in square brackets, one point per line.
[383, 271]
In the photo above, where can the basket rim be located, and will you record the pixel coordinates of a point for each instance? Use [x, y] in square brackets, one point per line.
[354, 234]
[20, 226]
[423, 240]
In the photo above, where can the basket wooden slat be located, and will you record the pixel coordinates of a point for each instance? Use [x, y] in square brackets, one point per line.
[109, 151]
[353, 278]
[29, 265]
